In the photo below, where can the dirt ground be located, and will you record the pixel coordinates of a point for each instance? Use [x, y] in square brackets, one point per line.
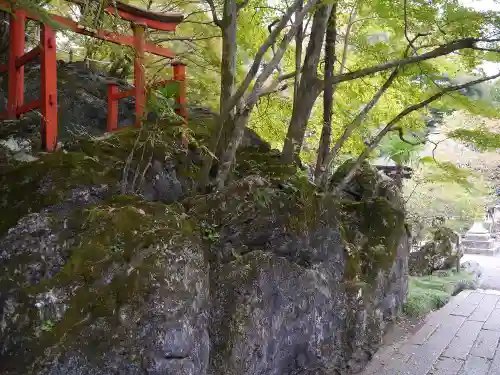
[402, 328]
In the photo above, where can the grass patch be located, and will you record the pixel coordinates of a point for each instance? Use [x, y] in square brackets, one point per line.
[427, 293]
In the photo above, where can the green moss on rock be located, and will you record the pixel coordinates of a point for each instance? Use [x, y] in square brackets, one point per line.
[258, 161]
[30, 187]
[124, 250]
[372, 231]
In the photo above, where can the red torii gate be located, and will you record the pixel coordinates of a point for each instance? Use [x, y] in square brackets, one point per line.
[140, 20]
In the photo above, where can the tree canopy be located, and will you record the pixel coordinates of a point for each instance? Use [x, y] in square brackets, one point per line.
[318, 79]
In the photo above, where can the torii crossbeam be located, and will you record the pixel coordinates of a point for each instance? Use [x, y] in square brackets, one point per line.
[140, 21]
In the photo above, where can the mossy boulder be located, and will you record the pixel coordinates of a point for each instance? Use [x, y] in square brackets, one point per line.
[268, 275]
[117, 287]
[301, 279]
[442, 252]
[148, 162]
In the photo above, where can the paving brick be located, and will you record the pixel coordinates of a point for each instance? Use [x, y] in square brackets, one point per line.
[495, 364]
[493, 322]
[475, 366]
[486, 344]
[391, 365]
[428, 353]
[464, 340]
[447, 366]
[485, 308]
[467, 306]
[436, 317]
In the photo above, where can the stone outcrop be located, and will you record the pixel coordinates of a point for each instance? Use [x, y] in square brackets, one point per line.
[444, 251]
[267, 276]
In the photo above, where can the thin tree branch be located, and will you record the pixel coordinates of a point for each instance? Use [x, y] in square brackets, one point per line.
[252, 98]
[356, 122]
[442, 50]
[275, 85]
[271, 39]
[187, 38]
[390, 126]
[486, 49]
[217, 21]
[413, 190]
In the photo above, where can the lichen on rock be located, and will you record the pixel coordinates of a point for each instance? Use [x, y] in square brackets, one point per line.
[268, 275]
[113, 282]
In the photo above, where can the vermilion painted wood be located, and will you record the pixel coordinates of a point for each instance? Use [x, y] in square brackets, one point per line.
[35, 104]
[99, 34]
[124, 94]
[112, 121]
[111, 37]
[47, 50]
[139, 73]
[180, 76]
[152, 24]
[49, 88]
[181, 100]
[16, 74]
[28, 56]
[23, 60]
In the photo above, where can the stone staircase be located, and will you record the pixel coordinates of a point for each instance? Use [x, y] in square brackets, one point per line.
[478, 240]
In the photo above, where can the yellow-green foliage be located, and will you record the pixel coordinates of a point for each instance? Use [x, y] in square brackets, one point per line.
[480, 137]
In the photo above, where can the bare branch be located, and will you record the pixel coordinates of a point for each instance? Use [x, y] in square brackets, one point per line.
[402, 138]
[217, 21]
[356, 122]
[390, 126]
[277, 85]
[273, 47]
[486, 49]
[252, 97]
[271, 39]
[442, 50]
[187, 38]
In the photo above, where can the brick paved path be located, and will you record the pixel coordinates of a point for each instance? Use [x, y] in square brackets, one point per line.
[460, 339]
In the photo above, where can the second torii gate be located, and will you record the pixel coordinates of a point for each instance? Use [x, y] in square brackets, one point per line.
[140, 21]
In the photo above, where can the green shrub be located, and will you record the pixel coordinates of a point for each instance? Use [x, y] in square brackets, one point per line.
[427, 293]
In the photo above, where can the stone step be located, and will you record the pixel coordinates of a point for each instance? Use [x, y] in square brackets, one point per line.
[480, 245]
[475, 250]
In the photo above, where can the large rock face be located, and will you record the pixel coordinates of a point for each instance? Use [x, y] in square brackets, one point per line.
[265, 277]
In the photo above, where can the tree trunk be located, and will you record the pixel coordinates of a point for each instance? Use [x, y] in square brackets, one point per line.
[328, 94]
[309, 87]
[224, 126]
[228, 71]
[299, 39]
[357, 121]
[322, 163]
[250, 100]
[241, 120]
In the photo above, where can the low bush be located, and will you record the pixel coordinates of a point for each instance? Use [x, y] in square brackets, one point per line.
[427, 293]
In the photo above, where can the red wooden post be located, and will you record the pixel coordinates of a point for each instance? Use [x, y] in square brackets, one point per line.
[49, 88]
[180, 99]
[139, 73]
[16, 74]
[112, 107]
